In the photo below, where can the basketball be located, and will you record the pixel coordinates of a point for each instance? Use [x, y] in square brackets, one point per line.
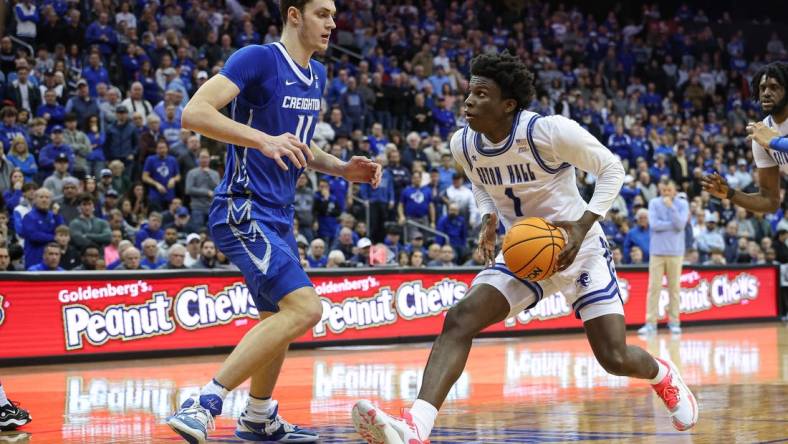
[531, 248]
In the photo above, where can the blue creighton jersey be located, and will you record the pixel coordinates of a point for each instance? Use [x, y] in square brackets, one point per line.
[277, 96]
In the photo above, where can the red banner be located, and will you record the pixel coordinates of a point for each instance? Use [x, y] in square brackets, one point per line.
[66, 314]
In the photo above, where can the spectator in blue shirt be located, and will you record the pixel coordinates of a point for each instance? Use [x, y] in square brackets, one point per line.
[121, 140]
[151, 256]
[339, 188]
[416, 204]
[620, 144]
[668, 216]
[456, 227]
[102, 33]
[416, 244]
[161, 174]
[38, 227]
[638, 235]
[10, 130]
[46, 159]
[82, 104]
[381, 202]
[353, 106]
[150, 229]
[659, 169]
[171, 124]
[248, 36]
[53, 112]
[337, 87]
[95, 73]
[392, 240]
[438, 79]
[377, 140]
[316, 256]
[20, 157]
[444, 118]
[326, 209]
[50, 260]
[446, 171]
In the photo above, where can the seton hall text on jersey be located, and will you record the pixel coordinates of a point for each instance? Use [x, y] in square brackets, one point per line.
[517, 173]
[301, 103]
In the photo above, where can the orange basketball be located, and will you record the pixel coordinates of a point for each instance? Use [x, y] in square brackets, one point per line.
[531, 248]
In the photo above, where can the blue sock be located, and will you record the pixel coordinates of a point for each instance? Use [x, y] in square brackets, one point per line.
[212, 397]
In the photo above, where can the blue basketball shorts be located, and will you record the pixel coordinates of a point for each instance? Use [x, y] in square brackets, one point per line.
[262, 246]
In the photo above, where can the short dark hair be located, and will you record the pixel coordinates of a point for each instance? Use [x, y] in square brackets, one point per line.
[284, 6]
[8, 111]
[85, 197]
[509, 73]
[54, 245]
[90, 246]
[27, 186]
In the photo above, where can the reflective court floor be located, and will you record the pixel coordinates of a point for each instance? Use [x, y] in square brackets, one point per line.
[537, 389]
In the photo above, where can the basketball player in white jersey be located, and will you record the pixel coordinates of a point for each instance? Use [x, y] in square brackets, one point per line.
[768, 147]
[521, 165]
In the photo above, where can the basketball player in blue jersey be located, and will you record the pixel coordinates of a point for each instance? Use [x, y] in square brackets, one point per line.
[522, 165]
[769, 144]
[275, 91]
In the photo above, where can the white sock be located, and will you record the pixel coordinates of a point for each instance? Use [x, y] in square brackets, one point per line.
[661, 372]
[258, 409]
[214, 388]
[3, 399]
[424, 415]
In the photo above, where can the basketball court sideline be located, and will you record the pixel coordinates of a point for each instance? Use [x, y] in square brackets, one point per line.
[537, 389]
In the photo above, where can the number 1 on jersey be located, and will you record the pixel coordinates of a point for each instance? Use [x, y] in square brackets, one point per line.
[302, 130]
[518, 210]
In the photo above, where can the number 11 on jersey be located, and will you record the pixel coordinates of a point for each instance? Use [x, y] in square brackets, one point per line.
[302, 130]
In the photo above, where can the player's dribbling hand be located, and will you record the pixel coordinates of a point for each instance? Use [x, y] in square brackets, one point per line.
[715, 185]
[761, 133]
[574, 233]
[286, 146]
[487, 237]
[360, 169]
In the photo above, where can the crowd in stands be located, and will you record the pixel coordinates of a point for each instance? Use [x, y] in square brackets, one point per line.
[96, 172]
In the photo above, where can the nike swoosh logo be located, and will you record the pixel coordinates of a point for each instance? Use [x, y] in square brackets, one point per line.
[288, 83]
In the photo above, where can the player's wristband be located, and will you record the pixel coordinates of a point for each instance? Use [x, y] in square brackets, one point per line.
[730, 194]
[779, 144]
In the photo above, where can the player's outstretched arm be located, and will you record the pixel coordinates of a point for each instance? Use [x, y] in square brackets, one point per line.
[202, 115]
[767, 136]
[358, 169]
[766, 200]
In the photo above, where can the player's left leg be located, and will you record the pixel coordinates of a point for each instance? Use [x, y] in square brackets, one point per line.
[11, 416]
[607, 336]
[262, 410]
[597, 301]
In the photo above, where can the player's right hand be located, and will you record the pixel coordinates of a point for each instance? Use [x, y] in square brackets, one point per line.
[715, 185]
[286, 146]
[487, 237]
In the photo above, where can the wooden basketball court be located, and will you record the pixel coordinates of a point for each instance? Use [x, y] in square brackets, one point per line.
[539, 389]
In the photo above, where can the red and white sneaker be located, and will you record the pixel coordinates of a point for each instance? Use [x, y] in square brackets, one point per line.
[378, 427]
[678, 398]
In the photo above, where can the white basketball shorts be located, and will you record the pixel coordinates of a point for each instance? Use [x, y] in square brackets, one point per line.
[589, 284]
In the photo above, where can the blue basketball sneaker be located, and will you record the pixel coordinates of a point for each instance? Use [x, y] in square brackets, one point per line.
[193, 420]
[273, 429]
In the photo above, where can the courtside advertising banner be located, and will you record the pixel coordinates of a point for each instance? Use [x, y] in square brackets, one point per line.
[57, 314]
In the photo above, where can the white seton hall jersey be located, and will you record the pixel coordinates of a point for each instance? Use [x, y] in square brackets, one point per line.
[531, 173]
[765, 157]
